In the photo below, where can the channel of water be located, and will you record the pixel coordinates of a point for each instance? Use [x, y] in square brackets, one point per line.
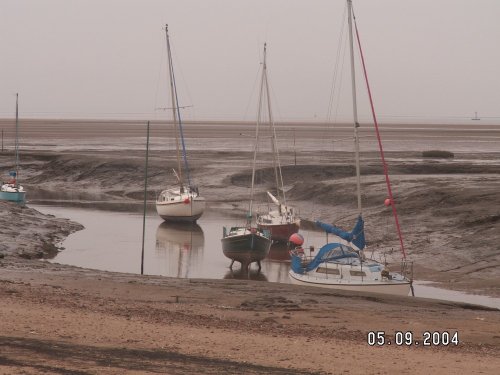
[112, 241]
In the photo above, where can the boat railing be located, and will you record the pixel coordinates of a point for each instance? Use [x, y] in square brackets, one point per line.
[407, 269]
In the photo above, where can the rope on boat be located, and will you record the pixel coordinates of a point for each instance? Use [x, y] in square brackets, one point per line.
[386, 172]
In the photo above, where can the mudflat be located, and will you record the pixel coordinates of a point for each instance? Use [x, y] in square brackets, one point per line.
[62, 319]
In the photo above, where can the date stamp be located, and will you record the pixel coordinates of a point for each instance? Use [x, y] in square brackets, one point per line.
[408, 338]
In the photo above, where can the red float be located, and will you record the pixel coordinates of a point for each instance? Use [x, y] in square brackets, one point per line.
[296, 239]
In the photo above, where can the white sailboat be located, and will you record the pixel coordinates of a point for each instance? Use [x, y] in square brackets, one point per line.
[11, 190]
[281, 220]
[183, 201]
[342, 264]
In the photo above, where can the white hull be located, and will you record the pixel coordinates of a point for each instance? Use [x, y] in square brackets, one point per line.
[400, 288]
[178, 210]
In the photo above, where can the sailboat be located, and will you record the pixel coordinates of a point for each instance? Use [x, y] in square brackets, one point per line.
[249, 243]
[281, 220]
[342, 264]
[183, 201]
[11, 190]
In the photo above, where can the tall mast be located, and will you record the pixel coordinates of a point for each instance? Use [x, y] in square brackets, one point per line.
[256, 145]
[17, 137]
[177, 116]
[354, 106]
[274, 146]
[174, 105]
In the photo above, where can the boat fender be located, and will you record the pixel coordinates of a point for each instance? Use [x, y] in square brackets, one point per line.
[186, 200]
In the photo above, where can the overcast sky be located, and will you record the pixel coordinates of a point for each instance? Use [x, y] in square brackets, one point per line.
[427, 60]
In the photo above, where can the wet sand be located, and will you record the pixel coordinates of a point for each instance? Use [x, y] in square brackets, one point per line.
[102, 322]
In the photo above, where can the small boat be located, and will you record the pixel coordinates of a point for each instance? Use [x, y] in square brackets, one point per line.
[183, 201]
[249, 243]
[342, 264]
[280, 220]
[246, 245]
[11, 190]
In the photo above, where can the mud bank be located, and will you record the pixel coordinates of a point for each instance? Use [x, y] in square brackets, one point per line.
[448, 208]
[62, 319]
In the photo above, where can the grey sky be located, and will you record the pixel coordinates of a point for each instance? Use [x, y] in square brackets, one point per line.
[427, 60]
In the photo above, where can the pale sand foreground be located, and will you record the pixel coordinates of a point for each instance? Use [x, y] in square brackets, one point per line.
[66, 320]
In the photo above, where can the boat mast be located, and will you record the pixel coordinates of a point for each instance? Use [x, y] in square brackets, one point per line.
[375, 123]
[274, 145]
[354, 106]
[257, 126]
[175, 107]
[17, 138]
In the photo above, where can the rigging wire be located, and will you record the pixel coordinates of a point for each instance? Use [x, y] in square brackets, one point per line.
[388, 183]
[340, 48]
[160, 69]
[174, 83]
[274, 141]
[336, 88]
[188, 93]
[252, 93]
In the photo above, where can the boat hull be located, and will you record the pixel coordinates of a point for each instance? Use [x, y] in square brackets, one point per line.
[246, 248]
[281, 232]
[181, 211]
[401, 288]
[17, 196]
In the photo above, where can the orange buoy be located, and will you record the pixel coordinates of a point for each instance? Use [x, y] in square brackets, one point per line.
[296, 239]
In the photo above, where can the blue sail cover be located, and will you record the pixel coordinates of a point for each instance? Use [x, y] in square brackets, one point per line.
[329, 252]
[356, 236]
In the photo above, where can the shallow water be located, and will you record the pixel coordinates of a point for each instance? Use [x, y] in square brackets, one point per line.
[426, 290]
[112, 241]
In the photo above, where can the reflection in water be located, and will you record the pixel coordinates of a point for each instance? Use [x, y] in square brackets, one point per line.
[245, 274]
[111, 241]
[279, 252]
[179, 246]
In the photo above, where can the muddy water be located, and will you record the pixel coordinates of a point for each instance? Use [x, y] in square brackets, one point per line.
[112, 241]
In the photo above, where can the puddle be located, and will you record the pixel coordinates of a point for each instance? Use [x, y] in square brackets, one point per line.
[424, 289]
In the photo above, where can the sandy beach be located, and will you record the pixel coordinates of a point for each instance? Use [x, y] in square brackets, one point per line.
[62, 319]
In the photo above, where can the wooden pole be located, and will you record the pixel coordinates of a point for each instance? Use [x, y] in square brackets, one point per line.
[294, 149]
[145, 200]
